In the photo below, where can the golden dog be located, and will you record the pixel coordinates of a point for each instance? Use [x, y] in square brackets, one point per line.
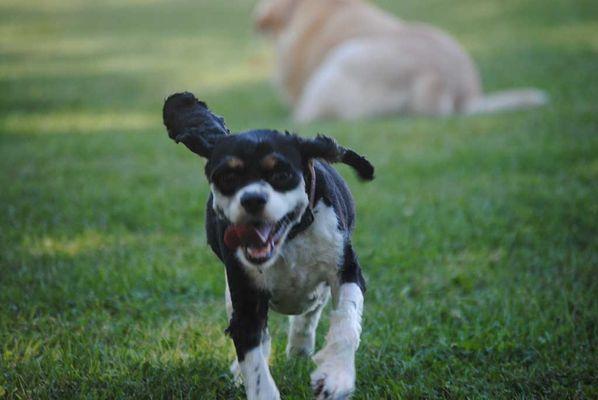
[348, 59]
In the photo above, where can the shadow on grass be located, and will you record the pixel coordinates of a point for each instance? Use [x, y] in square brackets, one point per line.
[95, 103]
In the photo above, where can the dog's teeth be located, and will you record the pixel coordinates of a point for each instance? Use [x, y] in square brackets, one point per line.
[260, 252]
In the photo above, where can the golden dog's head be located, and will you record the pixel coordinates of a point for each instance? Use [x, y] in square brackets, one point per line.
[271, 16]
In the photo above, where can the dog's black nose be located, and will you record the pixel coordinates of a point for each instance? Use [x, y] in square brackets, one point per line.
[254, 202]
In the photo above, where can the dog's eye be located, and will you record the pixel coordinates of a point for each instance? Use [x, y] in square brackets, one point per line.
[228, 181]
[279, 177]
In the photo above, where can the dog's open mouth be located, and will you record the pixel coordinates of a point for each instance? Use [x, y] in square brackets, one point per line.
[268, 237]
[259, 240]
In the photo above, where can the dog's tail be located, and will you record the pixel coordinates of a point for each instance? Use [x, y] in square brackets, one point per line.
[506, 100]
[364, 169]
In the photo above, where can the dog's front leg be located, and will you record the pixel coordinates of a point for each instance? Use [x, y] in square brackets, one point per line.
[334, 377]
[248, 329]
[266, 341]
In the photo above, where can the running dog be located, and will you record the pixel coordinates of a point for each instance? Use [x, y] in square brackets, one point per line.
[280, 219]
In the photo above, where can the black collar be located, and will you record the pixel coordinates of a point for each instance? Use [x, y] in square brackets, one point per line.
[306, 220]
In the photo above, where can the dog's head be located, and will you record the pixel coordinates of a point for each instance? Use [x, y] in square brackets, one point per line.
[271, 16]
[257, 178]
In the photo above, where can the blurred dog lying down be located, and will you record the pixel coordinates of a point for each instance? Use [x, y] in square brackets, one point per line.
[348, 59]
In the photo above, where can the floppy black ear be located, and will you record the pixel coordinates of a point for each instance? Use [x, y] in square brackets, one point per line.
[328, 149]
[189, 120]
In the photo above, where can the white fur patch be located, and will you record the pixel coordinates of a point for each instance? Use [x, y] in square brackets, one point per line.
[258, 382]
[335, 374]
[235, 369]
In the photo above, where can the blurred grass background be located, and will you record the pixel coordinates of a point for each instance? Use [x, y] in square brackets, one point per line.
[478, 237]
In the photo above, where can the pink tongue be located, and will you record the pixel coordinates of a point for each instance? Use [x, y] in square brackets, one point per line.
[263, 232]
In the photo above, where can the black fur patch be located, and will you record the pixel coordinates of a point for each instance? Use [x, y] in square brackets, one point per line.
[189, 120]
[351, 271]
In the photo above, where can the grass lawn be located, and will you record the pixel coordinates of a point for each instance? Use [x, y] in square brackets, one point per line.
[478, 238]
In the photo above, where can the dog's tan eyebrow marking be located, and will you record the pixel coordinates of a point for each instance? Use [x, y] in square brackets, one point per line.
[235, 163]
[269, 162]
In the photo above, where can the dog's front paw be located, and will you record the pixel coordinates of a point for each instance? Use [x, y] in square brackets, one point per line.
[333, 381]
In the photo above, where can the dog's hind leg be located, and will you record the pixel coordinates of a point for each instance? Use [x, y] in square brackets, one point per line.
[334, 377]
[429, 96]
[302, 328]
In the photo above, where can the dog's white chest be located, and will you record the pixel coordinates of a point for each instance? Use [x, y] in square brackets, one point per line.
[305, 265]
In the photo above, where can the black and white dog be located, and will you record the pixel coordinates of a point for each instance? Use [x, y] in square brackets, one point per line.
[280, 219]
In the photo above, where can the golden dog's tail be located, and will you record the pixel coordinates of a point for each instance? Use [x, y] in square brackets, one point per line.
[506, 100]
